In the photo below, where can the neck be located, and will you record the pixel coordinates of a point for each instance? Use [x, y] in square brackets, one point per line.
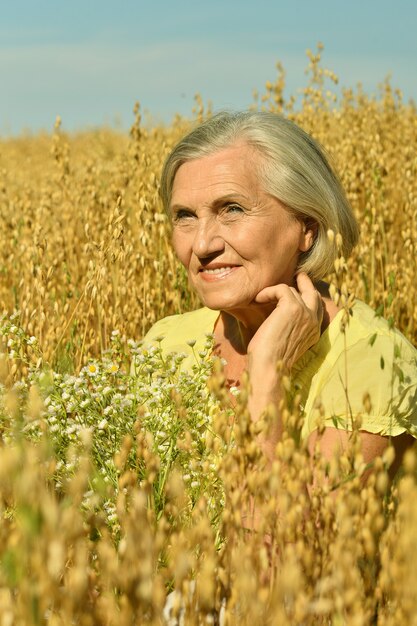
[238, 327]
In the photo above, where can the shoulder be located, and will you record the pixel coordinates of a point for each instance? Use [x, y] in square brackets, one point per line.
[369, 370]
[373, 349]
[364, 329]
[174, 331]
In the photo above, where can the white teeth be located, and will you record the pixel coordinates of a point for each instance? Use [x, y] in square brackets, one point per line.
[217, 270]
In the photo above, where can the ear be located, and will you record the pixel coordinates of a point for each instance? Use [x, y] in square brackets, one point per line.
[308, 235]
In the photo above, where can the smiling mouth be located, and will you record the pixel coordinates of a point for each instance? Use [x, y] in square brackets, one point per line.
[217, 270]
[216, 273]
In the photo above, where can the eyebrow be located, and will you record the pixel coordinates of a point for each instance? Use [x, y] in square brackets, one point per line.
[217, 202]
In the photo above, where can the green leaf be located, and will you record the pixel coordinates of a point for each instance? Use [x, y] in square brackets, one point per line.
[337, 421]
[398, 372]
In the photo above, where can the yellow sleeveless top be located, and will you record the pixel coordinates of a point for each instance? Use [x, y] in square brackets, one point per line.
[370, 370]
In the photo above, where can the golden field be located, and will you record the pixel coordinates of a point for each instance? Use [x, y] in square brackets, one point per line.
[117, 488]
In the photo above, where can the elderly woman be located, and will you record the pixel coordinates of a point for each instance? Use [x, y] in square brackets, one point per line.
[251, 198]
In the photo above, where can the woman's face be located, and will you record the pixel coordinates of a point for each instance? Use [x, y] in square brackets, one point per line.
[233, 238]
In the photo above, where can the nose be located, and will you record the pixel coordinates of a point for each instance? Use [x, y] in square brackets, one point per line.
[208, 240]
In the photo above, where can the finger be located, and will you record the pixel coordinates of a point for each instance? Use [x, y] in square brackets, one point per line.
[304, 282]
[273, 293]
[320, 308]
[308, 292]
[294, 292]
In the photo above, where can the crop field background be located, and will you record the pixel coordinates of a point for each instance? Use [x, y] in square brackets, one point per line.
[121, 479]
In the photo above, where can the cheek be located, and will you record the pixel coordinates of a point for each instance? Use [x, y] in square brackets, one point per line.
[181, 247]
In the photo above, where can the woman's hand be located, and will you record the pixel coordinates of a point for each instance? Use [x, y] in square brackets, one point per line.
[289, 331]
[292, 327]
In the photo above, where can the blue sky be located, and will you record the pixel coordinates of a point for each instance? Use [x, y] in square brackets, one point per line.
[90, 60]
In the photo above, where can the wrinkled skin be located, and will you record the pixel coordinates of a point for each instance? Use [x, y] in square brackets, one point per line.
[240, 247]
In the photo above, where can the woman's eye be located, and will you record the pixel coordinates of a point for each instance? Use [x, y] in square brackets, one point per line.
[234, 208]
[182, 214]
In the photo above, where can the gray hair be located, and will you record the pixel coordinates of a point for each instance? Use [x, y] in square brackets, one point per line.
[294, 169]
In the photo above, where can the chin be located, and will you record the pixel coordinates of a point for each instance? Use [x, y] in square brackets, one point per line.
[227, 304]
